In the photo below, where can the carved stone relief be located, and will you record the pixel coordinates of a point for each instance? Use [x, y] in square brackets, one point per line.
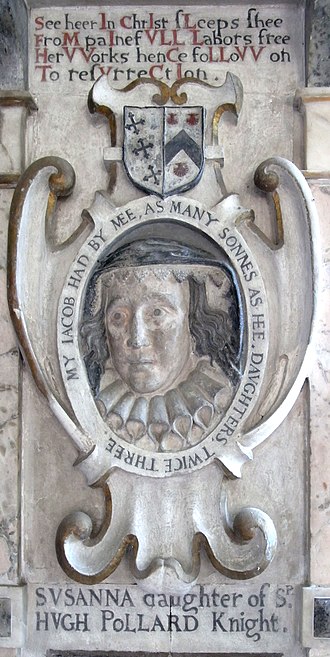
[168, 328]
[162, 363]
[167, 371]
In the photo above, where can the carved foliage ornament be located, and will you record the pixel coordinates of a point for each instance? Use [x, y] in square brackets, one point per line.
[172, 352]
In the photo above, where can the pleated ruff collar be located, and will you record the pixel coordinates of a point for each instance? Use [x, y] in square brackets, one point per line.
[169, 422]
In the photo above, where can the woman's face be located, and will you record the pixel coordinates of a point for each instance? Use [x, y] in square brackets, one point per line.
[147, 324]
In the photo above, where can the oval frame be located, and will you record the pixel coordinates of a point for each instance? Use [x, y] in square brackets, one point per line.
[223, 441]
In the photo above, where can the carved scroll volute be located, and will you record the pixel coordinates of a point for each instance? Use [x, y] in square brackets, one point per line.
[33, 256]
[291, 264]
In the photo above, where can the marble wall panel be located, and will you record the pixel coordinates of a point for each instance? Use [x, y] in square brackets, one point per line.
[13, 44]
[320, 417]
[9, 422]
[318, 51]
[315, 106]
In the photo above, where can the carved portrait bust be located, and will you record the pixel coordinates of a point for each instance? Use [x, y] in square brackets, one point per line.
[162, 343]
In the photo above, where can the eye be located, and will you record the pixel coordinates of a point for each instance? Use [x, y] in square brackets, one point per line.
[117, 317]
[158, 313]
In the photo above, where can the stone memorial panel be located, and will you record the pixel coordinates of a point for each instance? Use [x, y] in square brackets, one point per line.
[154, 247]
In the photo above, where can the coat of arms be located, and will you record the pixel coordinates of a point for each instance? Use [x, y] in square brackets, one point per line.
[163, 147]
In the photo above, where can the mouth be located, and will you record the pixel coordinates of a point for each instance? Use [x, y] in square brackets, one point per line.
[141, 361]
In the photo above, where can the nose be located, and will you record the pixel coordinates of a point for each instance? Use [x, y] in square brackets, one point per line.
[138, 332]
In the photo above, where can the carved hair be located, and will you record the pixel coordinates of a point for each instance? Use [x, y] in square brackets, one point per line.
[95, 343]
[216, 333]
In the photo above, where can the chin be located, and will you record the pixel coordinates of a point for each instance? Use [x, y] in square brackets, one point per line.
[147, 387]
[143, 387]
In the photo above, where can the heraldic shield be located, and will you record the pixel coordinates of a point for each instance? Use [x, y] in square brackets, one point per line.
[163, 147]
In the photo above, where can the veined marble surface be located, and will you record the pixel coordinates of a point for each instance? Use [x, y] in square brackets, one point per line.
[9, 423]
[320, 420]
[315, 104]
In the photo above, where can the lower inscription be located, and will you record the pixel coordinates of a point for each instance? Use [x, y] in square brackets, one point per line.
[245, 620]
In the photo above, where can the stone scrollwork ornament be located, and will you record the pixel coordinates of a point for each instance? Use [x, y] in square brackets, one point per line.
[171, 351]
